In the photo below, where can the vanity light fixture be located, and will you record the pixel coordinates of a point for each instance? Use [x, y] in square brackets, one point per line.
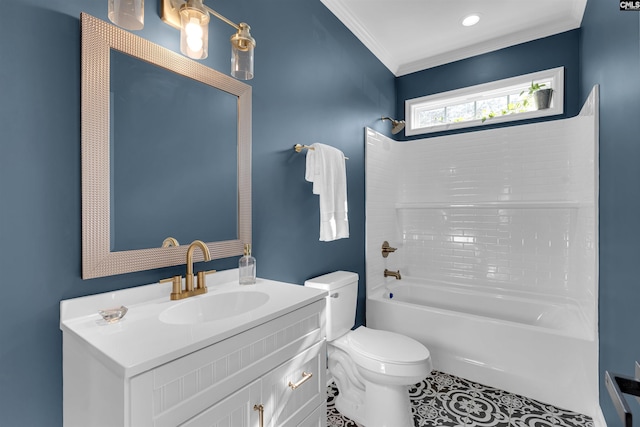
[192, 18]
[128, 14]
[396, 125]
[471, 20]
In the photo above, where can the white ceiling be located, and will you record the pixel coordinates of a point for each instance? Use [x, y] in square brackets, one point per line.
[413, 35]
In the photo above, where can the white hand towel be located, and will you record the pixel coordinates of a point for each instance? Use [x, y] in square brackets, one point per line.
[313, 170]
[325, 168]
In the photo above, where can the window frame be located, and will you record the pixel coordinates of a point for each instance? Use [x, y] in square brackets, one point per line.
[485, 91]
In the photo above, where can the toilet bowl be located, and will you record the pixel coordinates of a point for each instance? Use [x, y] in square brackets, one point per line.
[372, 368]
[379, 367]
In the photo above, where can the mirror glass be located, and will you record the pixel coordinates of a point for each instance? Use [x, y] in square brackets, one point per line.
[174, 157]
[166, 152]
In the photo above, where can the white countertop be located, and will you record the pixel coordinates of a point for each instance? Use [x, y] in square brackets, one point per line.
[140, 341]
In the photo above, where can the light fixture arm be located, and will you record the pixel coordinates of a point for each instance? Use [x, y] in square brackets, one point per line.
[242, 39]
[169, 12]
[220, 17]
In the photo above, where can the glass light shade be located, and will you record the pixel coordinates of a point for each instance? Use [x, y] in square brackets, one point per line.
[128, 14]
[242, 46]
[194, 30]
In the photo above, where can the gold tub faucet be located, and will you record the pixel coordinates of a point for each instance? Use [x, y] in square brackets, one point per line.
[395, 274]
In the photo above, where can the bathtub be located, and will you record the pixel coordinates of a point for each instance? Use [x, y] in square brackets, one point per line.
[543, 350]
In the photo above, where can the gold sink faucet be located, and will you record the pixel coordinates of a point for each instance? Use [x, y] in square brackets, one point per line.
[189, 277]
[201, 286]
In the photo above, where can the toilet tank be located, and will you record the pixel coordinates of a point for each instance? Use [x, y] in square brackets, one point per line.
[340, 315]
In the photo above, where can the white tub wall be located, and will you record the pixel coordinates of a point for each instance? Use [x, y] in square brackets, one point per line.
[543, 250]
[499, 247]
[585, 162]
[382, 173]
[523, 249]
[526, 162]
[529, 249]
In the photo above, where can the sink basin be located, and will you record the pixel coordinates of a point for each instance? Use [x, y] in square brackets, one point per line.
[213, 307]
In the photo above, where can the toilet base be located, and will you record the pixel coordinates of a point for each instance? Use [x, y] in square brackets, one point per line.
[387, 406]
[351, 409]
[383, 406]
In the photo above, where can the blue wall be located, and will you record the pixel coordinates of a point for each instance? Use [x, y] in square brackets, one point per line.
[560, 50]
[314, 82]
[610, 57]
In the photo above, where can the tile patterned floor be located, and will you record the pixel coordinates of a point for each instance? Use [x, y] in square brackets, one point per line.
[446, 400]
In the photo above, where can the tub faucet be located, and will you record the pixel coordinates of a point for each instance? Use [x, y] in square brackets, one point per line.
[395, 274]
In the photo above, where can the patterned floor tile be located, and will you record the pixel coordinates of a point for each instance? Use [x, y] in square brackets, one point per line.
[444, 400]
[334, 419]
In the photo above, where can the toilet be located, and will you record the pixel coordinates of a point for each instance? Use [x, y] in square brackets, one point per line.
[373, 369]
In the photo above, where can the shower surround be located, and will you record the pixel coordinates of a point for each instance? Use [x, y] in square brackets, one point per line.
[504, 220]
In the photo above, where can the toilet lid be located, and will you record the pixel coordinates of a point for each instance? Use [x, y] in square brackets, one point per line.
[386, 346]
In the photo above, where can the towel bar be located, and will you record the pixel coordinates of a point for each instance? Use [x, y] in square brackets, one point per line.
[300, 147]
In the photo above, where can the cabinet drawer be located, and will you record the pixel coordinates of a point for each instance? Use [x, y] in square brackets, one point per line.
[295, 389]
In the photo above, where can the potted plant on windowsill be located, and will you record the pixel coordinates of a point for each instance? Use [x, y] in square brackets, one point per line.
[541, 97]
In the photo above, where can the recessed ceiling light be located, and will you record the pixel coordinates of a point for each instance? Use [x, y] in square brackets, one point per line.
[470, 20]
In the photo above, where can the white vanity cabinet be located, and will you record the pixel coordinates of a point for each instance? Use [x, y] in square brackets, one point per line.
[281, 405]
[221, 384]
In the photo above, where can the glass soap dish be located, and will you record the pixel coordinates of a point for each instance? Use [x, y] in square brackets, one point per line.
[113, 315]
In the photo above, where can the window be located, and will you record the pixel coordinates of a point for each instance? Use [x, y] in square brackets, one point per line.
[494, 102]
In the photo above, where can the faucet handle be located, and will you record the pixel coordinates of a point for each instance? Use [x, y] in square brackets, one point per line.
[386, 249]
[174, 280]
[202, 279]
[176, 289]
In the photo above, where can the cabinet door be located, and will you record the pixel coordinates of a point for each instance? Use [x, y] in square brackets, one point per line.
[234, 411]
[318, 418]
[296, 388]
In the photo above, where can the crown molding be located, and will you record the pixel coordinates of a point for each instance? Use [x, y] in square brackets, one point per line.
[399, 68]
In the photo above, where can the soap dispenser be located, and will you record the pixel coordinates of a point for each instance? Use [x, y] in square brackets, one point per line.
[247, 267]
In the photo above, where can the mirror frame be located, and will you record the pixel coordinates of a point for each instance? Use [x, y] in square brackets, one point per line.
[98, 38]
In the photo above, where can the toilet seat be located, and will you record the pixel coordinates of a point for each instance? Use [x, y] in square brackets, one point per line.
[387, 346]
[388, 353]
